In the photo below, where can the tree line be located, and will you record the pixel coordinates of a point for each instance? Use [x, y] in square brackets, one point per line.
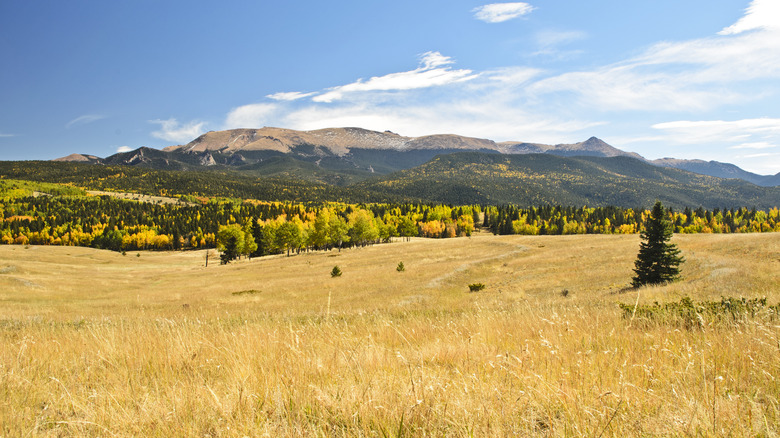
[121, 225]
[288, 227]
[509, 219]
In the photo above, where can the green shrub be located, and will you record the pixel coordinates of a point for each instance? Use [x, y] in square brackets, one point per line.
[246, 292]
[400, 267]
[335, 272]
[476, 287]
[688, 314]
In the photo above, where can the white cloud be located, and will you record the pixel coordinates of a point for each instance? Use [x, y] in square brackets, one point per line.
[513, 76]
[552, 38]
[434, 98]
[549, 43]
[698, 74]
[761, 14]
[289, 96]
[481, 112]
[84, 120]
[121, 149]
[761, 155]
[462, 119]
[171, 130]
[707, 131]
[433, 72]
[3, 135]
[431, 60]
[624, 88]
[253, 115]
[499, 12]
[755, 145]
[715, 137]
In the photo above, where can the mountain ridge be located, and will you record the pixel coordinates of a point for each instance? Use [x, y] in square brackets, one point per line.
[364, 152]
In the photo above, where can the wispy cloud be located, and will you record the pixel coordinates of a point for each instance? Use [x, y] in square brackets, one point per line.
[512, 76]
[289, 96]
[761, 155]
[253, 115]
[550, 43]
[486, 118]
[172, 130]
[696, 74]
[122, 149]
[433, 71]
[499, 12]
[4, 135]
[482, 109]
[755, 145]
[717, 137]
[704, 131]
[84, 120]
[434, 98]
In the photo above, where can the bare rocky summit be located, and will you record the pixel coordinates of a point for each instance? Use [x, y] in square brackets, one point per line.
[340, 141]
[80, 158]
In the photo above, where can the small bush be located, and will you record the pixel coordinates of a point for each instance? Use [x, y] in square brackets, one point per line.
[476, 287]
[400, 267]
[335, 272]
[246, 292]
[565, 293]
[689, 314]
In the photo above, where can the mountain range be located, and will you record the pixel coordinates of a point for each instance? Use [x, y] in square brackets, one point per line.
[347, 155]
[359, 165]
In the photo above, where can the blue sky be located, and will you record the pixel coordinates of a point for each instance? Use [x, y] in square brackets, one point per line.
[692, 79]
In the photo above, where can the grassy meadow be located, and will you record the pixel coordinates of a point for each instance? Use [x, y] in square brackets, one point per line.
[98, 343]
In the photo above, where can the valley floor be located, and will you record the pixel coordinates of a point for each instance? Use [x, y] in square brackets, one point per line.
[156, 344]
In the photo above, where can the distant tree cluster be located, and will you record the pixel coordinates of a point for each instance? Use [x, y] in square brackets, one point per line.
[273, 227]
[337, 226]
[510, 219]
[189, 183]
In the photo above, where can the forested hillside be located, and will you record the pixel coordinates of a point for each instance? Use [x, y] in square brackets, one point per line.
[208, 183]
[540, 179]
[458, 179]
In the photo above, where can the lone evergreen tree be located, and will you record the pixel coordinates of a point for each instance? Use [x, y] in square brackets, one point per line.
[230, 240]
[657, 261]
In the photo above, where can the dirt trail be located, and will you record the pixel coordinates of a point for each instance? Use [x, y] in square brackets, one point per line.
[140, 198]
[436, 282]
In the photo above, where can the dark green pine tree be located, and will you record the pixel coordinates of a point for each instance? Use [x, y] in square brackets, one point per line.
[657, 261]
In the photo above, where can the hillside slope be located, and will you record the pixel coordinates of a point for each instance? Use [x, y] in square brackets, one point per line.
[459, 178]
[536, 179]
[720, 170]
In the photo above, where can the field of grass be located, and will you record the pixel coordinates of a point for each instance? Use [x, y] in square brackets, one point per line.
[155, 344]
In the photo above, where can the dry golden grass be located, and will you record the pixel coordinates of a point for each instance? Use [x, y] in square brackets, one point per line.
[96, 343]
